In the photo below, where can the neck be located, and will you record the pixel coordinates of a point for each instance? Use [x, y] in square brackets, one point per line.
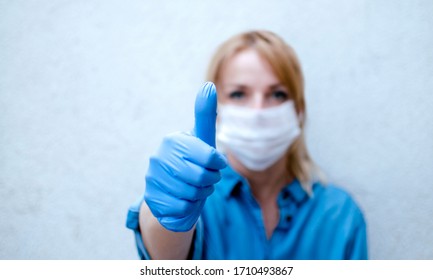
[266, 184]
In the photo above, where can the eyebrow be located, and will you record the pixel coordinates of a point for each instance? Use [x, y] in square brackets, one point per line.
[278, 85]
[234, 85]
[273, 86]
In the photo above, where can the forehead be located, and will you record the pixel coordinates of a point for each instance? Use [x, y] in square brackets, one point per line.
[248, 67]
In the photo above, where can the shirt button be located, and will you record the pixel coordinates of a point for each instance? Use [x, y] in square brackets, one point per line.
[288, 218]
[285, 195]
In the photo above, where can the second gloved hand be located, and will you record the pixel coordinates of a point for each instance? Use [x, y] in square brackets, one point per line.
[182, 173]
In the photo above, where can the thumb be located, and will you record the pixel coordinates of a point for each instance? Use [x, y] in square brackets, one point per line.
[205, 113]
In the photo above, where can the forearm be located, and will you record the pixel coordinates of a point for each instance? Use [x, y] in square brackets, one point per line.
[160, 242]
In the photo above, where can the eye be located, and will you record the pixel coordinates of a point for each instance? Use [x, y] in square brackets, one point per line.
[280, 95]
[236, 94]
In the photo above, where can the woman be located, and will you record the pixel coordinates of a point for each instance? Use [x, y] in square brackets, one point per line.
[263, 198]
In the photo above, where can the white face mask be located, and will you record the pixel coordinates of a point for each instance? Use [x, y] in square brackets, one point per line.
[257, 137]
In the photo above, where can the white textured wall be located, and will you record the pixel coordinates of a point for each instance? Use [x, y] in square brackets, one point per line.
[88, 88]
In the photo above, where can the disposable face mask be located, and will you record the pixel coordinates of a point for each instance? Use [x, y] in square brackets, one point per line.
[257, 137]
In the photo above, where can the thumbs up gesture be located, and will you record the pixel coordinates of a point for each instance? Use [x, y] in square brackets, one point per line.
[186, 166]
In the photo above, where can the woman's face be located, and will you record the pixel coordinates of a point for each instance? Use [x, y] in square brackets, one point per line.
[248, 80]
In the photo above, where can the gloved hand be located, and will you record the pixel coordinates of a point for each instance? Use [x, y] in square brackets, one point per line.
[182, 173]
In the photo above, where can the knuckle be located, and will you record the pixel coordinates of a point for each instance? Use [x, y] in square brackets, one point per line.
[202, 178]
[200, 193]
[184, 207]
[211, 155]
[168, 140]
[208, 178]
[173, 138]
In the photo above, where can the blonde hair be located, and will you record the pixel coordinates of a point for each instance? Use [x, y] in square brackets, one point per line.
[287, 68]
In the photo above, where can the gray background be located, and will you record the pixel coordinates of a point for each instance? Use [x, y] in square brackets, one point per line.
[89, 88]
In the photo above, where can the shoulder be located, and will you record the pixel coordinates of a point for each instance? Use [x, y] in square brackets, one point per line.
[335, 216]
[335, 201]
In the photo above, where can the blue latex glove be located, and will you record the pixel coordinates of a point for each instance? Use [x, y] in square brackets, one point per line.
[182, 173]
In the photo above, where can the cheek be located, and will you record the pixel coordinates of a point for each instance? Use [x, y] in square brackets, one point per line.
[272, 102]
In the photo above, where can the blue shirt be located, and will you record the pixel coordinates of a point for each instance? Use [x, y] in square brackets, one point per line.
[326, 225]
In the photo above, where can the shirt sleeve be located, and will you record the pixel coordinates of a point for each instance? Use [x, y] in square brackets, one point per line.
[132, 222]
[357, 249]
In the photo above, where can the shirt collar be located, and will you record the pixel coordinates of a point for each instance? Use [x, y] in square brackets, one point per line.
[295, 191]
[232, 181]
